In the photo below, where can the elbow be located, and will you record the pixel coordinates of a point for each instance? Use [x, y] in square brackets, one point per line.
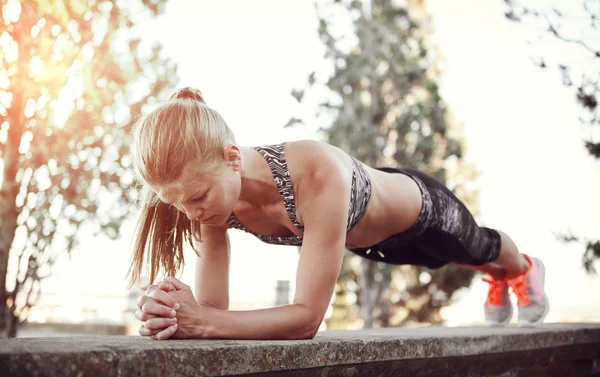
[307, 333]
[311, 333]
[310, 326]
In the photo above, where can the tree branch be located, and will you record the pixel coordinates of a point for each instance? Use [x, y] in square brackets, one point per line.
[554, 31]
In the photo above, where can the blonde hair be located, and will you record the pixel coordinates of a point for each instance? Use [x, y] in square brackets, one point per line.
[181, 131]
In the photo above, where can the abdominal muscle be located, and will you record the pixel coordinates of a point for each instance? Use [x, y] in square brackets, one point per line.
[394, 207]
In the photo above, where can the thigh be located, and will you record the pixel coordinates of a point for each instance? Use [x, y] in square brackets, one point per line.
[454, 235]
[412, 255]
[449, 231]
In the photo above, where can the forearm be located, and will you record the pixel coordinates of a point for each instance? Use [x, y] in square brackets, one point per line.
[293, 321]
[206, 304]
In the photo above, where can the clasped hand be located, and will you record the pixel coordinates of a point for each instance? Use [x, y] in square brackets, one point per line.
[168, 310]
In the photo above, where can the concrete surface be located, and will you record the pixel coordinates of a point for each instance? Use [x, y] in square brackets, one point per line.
[547, 350]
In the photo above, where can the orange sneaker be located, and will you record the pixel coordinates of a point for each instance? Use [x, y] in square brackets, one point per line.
[497, 307]
[531, 296]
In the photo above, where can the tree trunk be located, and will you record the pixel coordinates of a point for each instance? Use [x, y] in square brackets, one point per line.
[8, 226]
[8, 206]
[372, 284]
[13, 325]
[368, 292]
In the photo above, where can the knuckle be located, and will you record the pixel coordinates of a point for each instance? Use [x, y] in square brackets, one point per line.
[147, 307]
[159, 295]
[151, 288]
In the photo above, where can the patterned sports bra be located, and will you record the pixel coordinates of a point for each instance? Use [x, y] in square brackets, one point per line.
[274, 154]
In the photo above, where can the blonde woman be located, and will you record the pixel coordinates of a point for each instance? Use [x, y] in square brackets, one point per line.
[199, 183]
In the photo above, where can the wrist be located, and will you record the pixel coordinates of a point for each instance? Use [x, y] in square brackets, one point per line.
[205, 328]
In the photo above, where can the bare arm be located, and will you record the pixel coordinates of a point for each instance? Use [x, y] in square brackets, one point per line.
[212, 268]
[325, 217]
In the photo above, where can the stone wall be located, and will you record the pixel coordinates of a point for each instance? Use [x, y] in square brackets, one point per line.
[547, 350]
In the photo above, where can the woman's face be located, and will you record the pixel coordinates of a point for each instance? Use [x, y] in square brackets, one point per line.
[208, 198]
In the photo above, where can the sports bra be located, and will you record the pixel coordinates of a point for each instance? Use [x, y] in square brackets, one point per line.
[275, 157]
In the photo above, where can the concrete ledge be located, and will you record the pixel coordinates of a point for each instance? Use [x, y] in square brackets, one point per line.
[548, 350]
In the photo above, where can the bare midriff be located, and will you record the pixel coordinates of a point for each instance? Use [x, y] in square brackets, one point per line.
[394, 207]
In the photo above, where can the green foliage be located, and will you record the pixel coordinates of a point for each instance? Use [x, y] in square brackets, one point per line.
[591, 253]
[82, 73]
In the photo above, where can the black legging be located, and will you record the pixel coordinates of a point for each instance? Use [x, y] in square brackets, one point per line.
[445, 231]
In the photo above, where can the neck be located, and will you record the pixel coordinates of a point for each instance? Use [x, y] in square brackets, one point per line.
[253, 188]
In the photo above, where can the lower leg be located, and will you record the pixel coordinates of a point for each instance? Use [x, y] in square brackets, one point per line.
[510, 262]
[491, 269]
[510, 259]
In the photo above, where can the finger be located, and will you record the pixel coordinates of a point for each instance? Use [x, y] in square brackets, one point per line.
[166, 286]
[166, 333]
[142, 300]
[144, 331]
[163, 298]
[158, 309]
[176, 283]
[139, 314]
[151, 288]
[159, 323]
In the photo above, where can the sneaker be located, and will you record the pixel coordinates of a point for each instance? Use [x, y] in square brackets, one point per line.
[497, 307]
[531, 296]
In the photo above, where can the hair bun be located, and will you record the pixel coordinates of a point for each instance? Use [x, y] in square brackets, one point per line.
[187, 92]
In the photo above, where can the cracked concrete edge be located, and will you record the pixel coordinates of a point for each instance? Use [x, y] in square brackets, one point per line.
[109, 355]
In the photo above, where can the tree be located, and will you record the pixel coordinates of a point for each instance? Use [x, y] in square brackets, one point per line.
[574, 29]
[386, 110]
[73, 75]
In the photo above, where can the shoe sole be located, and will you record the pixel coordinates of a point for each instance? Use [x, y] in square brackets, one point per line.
[547, 302]
[499, 324]
[496, 324]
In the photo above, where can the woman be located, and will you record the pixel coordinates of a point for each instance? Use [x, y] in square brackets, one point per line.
[199, 183]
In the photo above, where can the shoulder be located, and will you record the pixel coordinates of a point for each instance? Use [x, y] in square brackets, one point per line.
[317, 159]
[322, 177]
[318, 170]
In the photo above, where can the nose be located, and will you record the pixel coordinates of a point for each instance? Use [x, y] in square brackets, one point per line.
[192, 213]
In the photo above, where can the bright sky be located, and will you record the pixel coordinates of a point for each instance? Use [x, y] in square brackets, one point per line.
[520, 124]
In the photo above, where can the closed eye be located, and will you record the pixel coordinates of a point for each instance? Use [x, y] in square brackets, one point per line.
[199, 198]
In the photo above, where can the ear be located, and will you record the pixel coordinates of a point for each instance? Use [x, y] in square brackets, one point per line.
[233, 156]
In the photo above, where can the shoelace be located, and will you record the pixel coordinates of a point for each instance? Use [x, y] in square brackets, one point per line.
[519, 288]
[495, 291]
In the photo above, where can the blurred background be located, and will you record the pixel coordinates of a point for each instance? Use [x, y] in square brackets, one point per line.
[496, 98]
